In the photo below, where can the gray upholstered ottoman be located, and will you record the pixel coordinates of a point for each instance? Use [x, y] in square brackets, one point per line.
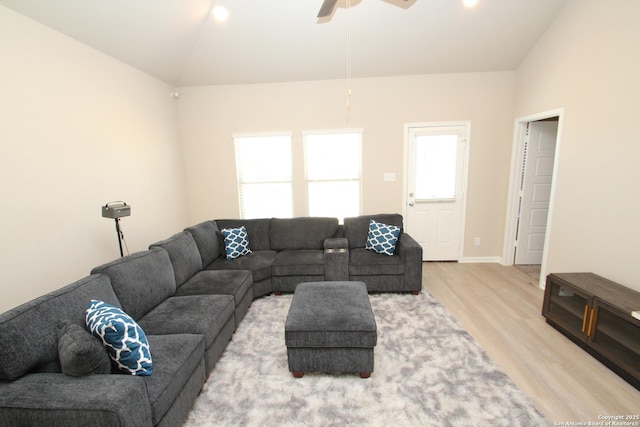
[330, 328]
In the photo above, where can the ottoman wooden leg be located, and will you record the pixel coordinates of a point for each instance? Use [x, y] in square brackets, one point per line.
[365, 374]
[297, 374]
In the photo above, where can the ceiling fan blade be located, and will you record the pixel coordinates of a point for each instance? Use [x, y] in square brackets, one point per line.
[327, 8]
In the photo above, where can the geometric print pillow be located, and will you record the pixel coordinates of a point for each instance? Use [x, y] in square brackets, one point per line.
[382, 238]
[123, 338]
[236, 242]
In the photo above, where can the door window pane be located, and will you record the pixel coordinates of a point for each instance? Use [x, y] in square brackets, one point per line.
[436, 157]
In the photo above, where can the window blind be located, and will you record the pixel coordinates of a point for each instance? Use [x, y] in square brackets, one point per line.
[333, 167]
[264, 174]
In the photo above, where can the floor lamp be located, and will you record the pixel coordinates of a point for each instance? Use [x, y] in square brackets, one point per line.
[117, 210]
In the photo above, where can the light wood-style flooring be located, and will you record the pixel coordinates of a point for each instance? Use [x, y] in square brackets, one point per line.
[501, 308]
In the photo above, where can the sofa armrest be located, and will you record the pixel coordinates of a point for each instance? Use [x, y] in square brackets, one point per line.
[336, 259]
[336, 243]
[59, 399]
[411, 252]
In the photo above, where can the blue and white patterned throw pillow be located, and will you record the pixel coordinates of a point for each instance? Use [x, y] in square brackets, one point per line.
[382, 238]
[124, 339]
[236, 242]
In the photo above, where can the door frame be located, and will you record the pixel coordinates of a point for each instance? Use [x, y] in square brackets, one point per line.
[465, 172]
[517, 158]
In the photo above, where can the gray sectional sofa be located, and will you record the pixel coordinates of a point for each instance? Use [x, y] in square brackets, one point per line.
[188, 299]
[286, 252]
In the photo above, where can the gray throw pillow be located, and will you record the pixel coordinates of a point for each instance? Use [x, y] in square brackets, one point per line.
[81, 353]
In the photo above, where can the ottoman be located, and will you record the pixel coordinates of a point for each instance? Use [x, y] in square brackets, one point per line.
[330, 328]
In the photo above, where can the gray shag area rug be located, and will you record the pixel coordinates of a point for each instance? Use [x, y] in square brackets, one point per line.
[428, 372]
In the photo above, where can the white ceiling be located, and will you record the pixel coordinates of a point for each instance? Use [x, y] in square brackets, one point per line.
[179, 42]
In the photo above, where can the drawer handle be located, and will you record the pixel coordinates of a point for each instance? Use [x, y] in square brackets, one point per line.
[584, 319]
[591, 322]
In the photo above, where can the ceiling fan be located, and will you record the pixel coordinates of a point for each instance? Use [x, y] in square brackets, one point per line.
[327, 8]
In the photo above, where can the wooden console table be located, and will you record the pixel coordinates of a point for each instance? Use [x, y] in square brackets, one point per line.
[598, 315]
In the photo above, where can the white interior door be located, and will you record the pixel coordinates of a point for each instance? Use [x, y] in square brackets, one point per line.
[436, 173]
[536, 191]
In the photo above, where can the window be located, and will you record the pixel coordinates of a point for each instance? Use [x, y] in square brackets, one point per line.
[263, 165]
[333, 165]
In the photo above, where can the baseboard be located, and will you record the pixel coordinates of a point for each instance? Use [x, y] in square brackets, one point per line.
[496, 259]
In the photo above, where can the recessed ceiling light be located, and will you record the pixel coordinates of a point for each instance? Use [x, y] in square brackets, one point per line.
[469, 3]
[220, 13]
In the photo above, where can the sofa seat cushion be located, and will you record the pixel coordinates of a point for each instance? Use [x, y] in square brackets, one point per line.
[366, 263]
[202, 314]
[258, 262]
[176, 357]
[219, 282]
[298, 262]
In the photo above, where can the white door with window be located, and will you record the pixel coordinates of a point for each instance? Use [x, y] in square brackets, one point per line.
[535, 191]
[436, 158]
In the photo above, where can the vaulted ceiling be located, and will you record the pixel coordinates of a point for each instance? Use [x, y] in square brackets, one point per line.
[179, 42]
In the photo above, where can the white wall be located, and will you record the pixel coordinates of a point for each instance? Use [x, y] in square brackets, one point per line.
[588, 62]
[381, 106]
[78, 129]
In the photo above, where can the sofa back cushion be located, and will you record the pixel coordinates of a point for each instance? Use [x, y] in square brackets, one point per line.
[141, 280]
[30, 332]
[301, 233]
[356, 229]
[184, 255]
[206, 235]
[257, 230]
